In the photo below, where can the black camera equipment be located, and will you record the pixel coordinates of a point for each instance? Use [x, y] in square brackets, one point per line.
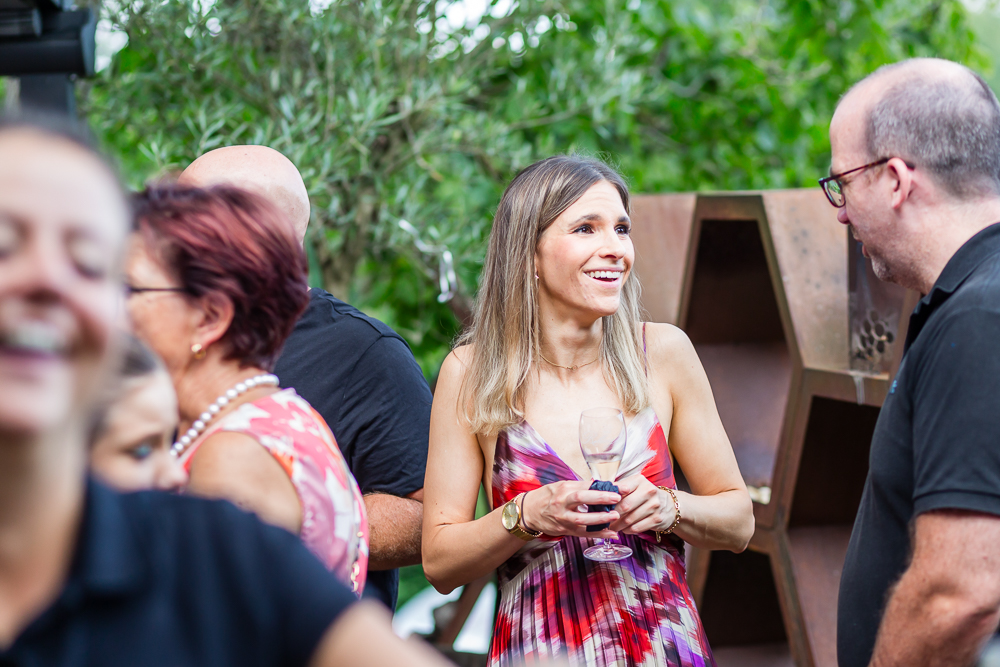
[46, 43]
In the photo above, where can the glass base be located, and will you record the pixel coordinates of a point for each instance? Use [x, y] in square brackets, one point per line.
[607, 554]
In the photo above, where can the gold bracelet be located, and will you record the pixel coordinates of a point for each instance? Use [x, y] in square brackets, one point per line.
[677, 514]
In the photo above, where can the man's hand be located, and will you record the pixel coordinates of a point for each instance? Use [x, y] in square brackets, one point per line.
[394, 526]
[947, 603]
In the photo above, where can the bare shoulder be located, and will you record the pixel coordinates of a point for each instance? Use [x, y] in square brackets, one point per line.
[667, 344]
[455, 365]
[228, 460]
[227, 444]
[673, 362]
[463, 354]
[236, 467]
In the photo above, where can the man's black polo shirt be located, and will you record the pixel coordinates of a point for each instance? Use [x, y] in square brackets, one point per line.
[169, 580]
[361, 376]
[937, 441]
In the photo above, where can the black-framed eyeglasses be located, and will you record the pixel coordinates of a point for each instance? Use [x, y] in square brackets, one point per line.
[834, 189]
[132, 289]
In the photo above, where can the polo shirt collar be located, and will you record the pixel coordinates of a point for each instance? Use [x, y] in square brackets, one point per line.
[973, 252]
[109, 560]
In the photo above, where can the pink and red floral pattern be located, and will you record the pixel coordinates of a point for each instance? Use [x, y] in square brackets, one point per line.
[334, 523]
[556, 603]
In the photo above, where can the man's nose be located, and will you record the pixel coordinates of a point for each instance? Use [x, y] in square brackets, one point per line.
[842, 216]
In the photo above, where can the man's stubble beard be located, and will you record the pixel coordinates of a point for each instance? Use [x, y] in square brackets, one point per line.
[882, 270]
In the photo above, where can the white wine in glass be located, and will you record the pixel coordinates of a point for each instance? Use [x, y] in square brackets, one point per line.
[602, 441]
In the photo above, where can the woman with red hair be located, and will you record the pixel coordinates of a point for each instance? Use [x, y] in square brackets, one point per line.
[216, 281]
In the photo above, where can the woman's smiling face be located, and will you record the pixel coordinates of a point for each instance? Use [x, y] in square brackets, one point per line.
[584, 257]
[63, 222]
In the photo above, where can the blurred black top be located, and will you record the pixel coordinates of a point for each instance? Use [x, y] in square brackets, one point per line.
[361, 376]
[159, 579]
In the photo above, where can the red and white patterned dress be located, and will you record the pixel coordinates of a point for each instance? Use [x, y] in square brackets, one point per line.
[334, 523]
[556, 603]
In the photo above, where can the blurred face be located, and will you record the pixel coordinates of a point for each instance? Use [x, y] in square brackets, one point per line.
[585, 255]
[62, 225]
[133, 450]
[867, 211]
[165, 321]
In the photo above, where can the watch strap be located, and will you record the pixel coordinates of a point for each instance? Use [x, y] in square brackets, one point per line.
[517, 531]
[522, 524]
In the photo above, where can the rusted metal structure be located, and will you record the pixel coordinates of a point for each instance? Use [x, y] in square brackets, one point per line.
[799, 341]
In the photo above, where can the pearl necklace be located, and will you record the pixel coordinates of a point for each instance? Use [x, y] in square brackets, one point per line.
[200, 424]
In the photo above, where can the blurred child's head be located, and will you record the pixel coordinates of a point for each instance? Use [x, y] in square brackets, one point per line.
[130, 446]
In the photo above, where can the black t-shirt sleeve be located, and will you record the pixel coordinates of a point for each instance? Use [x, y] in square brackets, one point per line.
[308, 598]
[956, 410]
[386, 413]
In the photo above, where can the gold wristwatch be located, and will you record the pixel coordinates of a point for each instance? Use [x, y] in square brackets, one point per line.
[511, 517]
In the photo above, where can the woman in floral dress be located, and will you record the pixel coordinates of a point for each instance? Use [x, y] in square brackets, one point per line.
[216, 281]
[557, 331]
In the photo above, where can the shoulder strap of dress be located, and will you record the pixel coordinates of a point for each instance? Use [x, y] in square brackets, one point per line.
[645, 368]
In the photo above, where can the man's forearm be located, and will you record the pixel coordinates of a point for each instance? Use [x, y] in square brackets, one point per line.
[927, 626]
[394, 528]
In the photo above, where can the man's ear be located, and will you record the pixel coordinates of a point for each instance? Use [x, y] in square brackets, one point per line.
[901, 179]
[216, 315]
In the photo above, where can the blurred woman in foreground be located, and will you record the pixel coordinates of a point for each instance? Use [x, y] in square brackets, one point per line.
[89, 576]
[557, 331]
[130, 443]
[216, 281]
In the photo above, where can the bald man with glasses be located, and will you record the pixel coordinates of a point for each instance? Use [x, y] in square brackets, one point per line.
[916, 177]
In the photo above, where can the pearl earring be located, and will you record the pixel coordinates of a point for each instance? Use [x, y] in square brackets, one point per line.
[198, 351]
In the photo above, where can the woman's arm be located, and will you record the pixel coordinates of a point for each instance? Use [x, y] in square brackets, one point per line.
[718, 514]
[458, 549]
[235, 467]
[363, 637]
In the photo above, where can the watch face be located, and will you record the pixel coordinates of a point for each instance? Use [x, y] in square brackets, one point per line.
[510, 516]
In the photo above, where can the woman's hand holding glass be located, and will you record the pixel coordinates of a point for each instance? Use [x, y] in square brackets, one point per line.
[560, 508]
[643, 507]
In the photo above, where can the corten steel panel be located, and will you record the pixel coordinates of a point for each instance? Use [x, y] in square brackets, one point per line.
[733, 296]
[727, 207]
[817, 558]
[740, 604]
[766, 305]
[759, 655]
[661, 233]
[876, 308]
[750, 382]
[811, 252]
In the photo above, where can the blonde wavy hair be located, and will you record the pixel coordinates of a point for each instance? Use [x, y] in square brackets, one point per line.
[505, 332]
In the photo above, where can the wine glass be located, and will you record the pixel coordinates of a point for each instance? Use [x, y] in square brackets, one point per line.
[602, 441]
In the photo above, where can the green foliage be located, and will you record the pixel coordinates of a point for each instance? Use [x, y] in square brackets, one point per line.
[986, 25]
[411, 582]
[392, 113]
